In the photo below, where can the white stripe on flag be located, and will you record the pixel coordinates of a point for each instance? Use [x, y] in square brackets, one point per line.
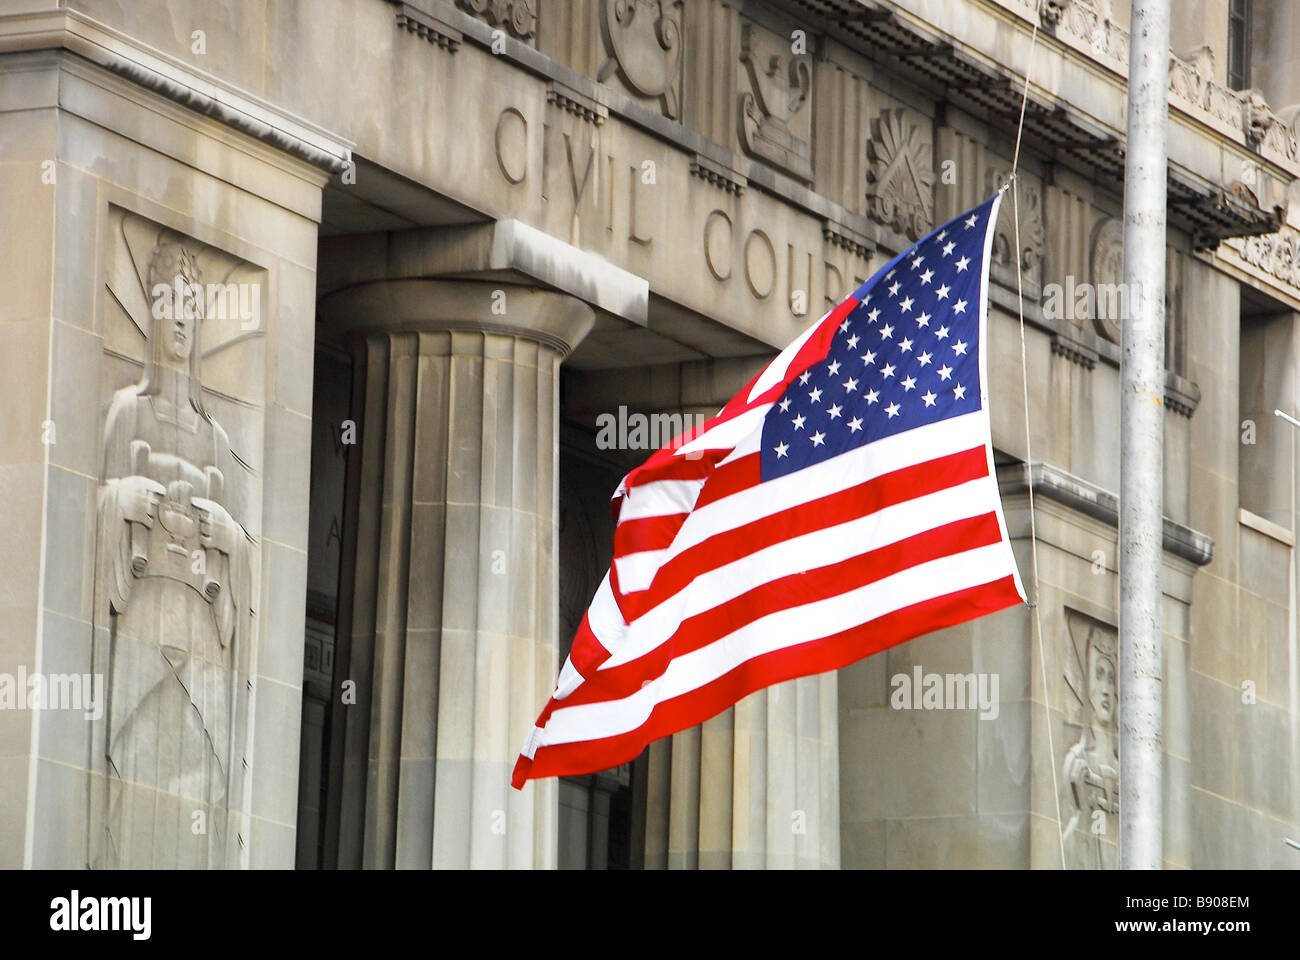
[838, 473]
[776, 370]
[806, 552]
[776, 631]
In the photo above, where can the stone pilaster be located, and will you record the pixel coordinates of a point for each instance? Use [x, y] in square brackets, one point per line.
[756, 787]
[452, 623]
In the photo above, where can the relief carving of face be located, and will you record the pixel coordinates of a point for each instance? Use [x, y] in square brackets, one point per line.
[180, 330]
[1101, 686]
[174, 268]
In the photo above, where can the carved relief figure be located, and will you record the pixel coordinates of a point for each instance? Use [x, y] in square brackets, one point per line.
[1090, 772]
[1033, 234]
[1110, 300]
[1107, 275]
[900, 192]
[644, 42]
[174, 581]
[774, 113]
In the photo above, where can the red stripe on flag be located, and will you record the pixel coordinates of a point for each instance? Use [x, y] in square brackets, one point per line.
[875, 494]
[587, 653]
[815, 656]
[740, 474]
[794, 590]
[646, 533]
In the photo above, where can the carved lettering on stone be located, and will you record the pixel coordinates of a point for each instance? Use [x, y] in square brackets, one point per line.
[643, 40]
[1089, 775]
[776, 111]
[511, 142]
[900, 179]
[176, 571]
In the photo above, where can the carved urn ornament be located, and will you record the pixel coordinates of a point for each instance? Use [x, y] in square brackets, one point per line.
[780, 89]
[644, 42]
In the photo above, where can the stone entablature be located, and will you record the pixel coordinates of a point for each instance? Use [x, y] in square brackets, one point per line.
[1102, 505]
[174, 80]
[1272, 260]
[1086, 27]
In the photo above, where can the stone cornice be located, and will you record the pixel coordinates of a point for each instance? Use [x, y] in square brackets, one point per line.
[508, 251]
[383, 307]
[969, 53]
[1091, 500]
[1085, 30]
[174, 80]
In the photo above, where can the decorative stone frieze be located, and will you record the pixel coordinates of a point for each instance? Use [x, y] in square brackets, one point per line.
[643, 43]
[519, 17]
[776, 109]
[900, 179]
[1277, 254]
[428, 27]
[1033, 233]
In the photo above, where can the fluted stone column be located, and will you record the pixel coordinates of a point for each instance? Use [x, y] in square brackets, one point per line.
[756, 787]
[453, 596]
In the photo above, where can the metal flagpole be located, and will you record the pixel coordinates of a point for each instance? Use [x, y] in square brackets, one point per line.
[1142, 376]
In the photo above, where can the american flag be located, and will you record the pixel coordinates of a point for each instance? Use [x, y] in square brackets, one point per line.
[843, 502]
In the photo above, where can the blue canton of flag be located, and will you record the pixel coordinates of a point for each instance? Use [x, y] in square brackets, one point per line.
[907, 356]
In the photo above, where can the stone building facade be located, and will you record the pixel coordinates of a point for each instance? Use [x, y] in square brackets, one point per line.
[310, 314]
